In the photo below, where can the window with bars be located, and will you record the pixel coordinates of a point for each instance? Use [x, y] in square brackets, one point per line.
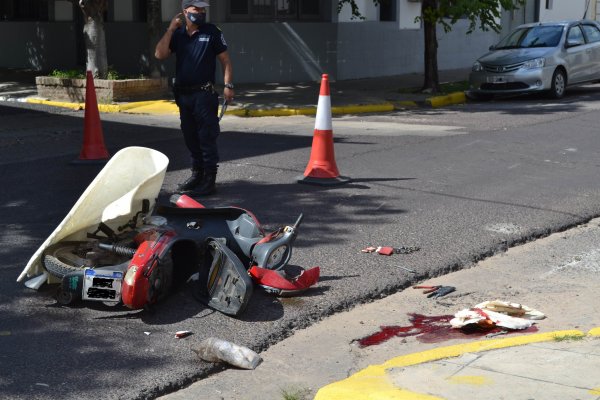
[387, 10]
[273, 10]
[24, 10]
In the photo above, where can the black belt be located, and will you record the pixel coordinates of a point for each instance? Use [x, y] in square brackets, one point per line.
[189, 89]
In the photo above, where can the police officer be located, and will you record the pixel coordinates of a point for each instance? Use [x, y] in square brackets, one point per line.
[197, 45]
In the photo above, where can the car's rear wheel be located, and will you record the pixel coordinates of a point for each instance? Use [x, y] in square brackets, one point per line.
[559, 84]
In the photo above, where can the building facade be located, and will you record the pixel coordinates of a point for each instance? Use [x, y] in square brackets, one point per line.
[269, 40]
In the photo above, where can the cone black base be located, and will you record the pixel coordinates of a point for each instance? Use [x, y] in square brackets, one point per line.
[309, 180]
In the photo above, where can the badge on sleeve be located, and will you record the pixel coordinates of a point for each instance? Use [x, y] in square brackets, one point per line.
[223, 40]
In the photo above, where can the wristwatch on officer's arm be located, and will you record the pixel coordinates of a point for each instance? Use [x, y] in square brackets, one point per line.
[229, 85]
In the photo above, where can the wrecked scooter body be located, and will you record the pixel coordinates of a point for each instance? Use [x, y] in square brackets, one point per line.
[138, 257]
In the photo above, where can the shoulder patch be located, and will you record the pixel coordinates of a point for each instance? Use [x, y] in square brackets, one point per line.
[223, 40]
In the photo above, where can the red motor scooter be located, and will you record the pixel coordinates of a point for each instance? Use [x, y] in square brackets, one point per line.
[141, 262]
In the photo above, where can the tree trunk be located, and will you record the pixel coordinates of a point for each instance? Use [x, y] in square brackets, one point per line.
[431, 82]
[154, 18]
[94, 36]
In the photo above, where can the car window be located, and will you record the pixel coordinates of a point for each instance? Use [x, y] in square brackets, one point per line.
[575, 34]
[535, 36]
[592, 33]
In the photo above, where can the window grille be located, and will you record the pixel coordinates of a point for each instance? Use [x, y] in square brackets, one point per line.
[274, 10]
[24, 10]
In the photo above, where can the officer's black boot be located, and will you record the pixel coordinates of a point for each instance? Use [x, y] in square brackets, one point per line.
[208, 185]
[193, 181]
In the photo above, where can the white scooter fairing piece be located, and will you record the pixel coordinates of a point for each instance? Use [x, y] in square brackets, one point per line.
[37, 282]
[114, 196]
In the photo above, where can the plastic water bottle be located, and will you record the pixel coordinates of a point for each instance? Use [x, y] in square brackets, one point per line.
[215, 350]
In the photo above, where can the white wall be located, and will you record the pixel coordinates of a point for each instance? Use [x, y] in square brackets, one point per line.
[564, 9]
[63, 10]
[408, 11]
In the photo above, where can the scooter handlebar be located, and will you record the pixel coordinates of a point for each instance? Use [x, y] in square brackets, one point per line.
[298, 221]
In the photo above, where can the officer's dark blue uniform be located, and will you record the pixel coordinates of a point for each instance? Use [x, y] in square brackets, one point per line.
[197, 102]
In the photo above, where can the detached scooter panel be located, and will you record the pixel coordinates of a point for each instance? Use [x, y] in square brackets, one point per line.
[224, 282]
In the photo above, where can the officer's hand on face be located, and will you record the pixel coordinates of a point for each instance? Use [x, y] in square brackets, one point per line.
[176, 22]
[228, 94]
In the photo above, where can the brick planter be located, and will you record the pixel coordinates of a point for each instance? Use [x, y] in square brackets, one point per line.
[107, 91]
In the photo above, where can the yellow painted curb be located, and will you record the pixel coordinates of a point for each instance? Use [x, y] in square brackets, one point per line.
[405, 103]
[137, 104]
[108, 108]
[169, 107]
[72, 106]
[151, 107]
[372, 382]
[284, 112]
[452, 98]
[280, 112]
[594, 332]
[365, 108]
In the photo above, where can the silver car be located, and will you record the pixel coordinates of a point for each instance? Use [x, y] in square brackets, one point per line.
[548, 56]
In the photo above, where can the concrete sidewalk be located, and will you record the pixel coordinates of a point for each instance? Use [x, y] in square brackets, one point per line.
[273, 99]
[558, 359]
[539, 366]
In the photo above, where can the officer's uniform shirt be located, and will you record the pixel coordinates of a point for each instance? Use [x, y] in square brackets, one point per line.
[196, 54]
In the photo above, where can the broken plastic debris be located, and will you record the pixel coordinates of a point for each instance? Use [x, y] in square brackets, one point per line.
[488, 320]
[37, 282]
[494, 334]
[215, 350]
[512, 309]
[279, 283]
[483, 316]
[388, 250]
[441, 291]
[435, 291]
[147, 333]
[182, 334]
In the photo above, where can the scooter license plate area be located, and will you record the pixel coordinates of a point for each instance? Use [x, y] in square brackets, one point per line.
[102, 285]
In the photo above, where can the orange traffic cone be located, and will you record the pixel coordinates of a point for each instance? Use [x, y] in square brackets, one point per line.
[321, 168]
[93, 149]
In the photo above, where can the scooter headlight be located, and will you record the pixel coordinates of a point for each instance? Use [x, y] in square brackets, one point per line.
[276, 257]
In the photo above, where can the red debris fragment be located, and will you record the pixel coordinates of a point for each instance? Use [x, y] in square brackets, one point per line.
[182, 334]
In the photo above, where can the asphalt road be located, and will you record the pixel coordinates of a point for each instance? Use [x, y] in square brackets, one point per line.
[462, 183]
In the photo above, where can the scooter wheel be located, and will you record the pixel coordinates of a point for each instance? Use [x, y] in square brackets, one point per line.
[65, 298]
[63, 258]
